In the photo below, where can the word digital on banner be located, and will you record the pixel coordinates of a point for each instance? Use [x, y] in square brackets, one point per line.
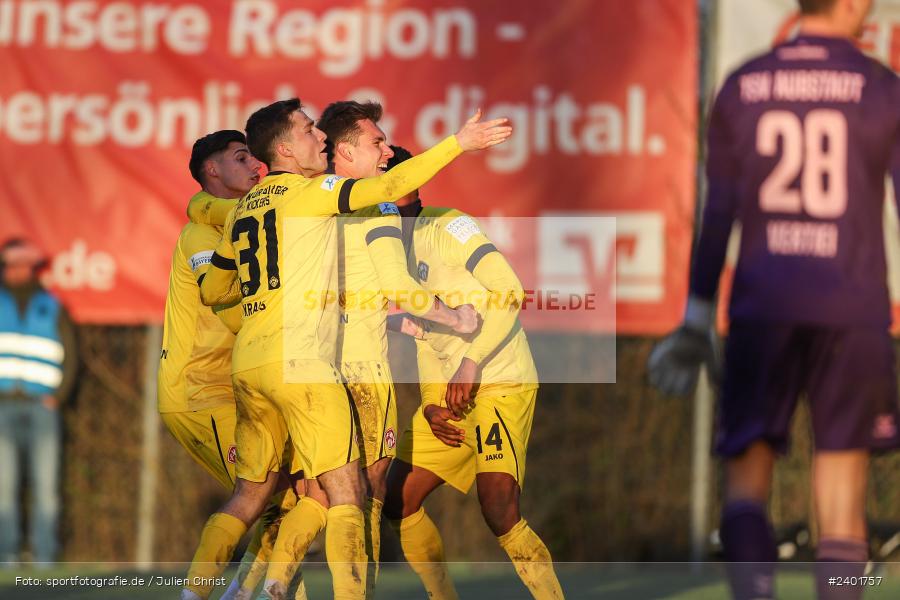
[101, 101]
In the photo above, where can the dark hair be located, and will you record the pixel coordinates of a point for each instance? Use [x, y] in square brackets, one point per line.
[815, 7]
[17, 242]
[208, 145]
[340, 121]
[400, 154]
[12, 242]
[268, 125]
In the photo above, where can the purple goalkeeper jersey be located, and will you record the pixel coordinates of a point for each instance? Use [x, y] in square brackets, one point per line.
[799, 142]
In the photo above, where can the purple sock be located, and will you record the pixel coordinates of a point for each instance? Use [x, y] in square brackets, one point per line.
[749, 546]
[838, 560]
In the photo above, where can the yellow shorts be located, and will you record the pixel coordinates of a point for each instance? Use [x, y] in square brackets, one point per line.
[208, 436]
[318, 417]
[496, 439]
[373, 396]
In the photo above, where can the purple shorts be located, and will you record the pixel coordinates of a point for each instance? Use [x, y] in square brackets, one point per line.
[848, 375]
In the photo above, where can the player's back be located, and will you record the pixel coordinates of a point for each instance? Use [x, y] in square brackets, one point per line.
[195, 363]
[285, 251]
[803, 136]
[444, 241]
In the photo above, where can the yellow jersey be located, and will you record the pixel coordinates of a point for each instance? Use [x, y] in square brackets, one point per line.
[195, 361]
[279, 256]
[455, 260]
[371, 272]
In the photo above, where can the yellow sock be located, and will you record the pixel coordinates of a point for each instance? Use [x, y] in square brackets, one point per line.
[297, 531]
[345, 548]
[297, 589]
[373, 542]
[220, 536]
[424, 550]
[532, 561]
[252, 568]
[256, 559]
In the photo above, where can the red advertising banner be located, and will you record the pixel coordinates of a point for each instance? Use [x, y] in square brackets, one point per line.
[100, 102]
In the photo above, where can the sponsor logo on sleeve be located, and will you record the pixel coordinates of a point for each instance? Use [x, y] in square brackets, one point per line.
[390, 439]
[423, 271]
[329, 182]
[232, 455]
[462, 228]
[200, 259]
[388, 208]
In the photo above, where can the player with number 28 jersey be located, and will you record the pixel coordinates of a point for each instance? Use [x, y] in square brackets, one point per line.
[799, 142]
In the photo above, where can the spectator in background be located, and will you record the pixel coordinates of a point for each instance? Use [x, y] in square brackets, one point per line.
[38, 364]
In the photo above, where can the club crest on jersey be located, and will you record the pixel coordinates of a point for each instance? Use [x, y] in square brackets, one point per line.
[330, 181]
[388, 208]
[274, 283]
[245, 290]
[390, 439]
[232, 454]
[423, 271]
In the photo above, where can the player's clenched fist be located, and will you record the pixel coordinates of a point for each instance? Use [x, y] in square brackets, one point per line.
[466, 319]
[439, 419]
[478, 135]
[462, 386]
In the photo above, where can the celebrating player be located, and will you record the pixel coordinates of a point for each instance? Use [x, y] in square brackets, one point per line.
[486, 382]
[195, 397]
[372, 271]
[798, 145]
[278, 256]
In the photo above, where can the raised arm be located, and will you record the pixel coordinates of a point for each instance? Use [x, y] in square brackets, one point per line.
[353, 194]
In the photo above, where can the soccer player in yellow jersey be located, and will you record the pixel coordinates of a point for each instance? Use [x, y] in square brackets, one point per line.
[371, 271]
[486, 383]
[195, 398]
[194, 378]
[278, 256]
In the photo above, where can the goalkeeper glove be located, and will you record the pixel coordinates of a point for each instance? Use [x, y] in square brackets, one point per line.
[674, 363]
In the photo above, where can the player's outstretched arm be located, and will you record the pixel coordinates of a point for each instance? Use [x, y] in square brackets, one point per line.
[476, 134]
[417, 171]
